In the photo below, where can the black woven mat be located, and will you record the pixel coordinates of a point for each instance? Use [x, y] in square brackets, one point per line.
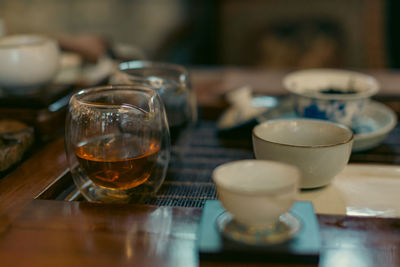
[188, 182]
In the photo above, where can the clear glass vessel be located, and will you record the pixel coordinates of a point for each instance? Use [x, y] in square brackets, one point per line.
[172, 83]
[117, 142]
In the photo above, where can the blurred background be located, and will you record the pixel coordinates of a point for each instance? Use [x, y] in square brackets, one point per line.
[227, 44]
[273, 34]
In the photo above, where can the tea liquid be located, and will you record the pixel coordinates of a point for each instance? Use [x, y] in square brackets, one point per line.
[118, 161]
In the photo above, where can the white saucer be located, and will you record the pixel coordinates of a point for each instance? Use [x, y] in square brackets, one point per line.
[373, 126]
[234, 118]
[285, 228]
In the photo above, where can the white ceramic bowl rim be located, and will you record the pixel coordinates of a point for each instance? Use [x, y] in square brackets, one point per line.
[292, 178]
[345, 141]
[290, 79]
[23, 40]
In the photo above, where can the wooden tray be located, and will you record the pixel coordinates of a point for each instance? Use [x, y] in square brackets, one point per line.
[44, 111]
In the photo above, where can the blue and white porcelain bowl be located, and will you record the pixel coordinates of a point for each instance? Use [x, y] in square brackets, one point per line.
[330, 94]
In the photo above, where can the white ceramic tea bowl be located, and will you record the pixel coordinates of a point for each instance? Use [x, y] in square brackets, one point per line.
[320, 149]
[256, 192]
[27, 62]
[330, 94]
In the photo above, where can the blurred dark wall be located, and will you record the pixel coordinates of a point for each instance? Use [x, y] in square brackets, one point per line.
[195, 40]
[268, 33]
[393, 33]
[283, 33]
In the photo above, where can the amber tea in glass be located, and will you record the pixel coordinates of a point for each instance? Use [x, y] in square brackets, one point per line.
[117, 142]
[117, 162]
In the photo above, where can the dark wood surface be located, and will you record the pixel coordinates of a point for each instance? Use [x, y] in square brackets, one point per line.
[59, 233]
[31, 178]
[45, 111]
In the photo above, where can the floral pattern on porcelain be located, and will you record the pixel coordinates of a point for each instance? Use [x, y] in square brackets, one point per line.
[341, 111]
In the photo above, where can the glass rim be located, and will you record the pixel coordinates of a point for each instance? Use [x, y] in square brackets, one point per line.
[77, 97]
[135, 65]
[138, 64]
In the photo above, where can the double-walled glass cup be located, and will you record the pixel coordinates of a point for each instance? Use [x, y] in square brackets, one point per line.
[172, 83]
[117, 142]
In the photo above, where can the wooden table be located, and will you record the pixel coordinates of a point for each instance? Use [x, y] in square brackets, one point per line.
[37, 232]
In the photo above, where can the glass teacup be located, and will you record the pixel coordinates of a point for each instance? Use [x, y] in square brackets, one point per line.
[172, 83]
[117, 142]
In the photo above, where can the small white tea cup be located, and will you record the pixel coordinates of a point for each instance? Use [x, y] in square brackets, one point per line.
[320, 149]
[256, 192]
[27, 62]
